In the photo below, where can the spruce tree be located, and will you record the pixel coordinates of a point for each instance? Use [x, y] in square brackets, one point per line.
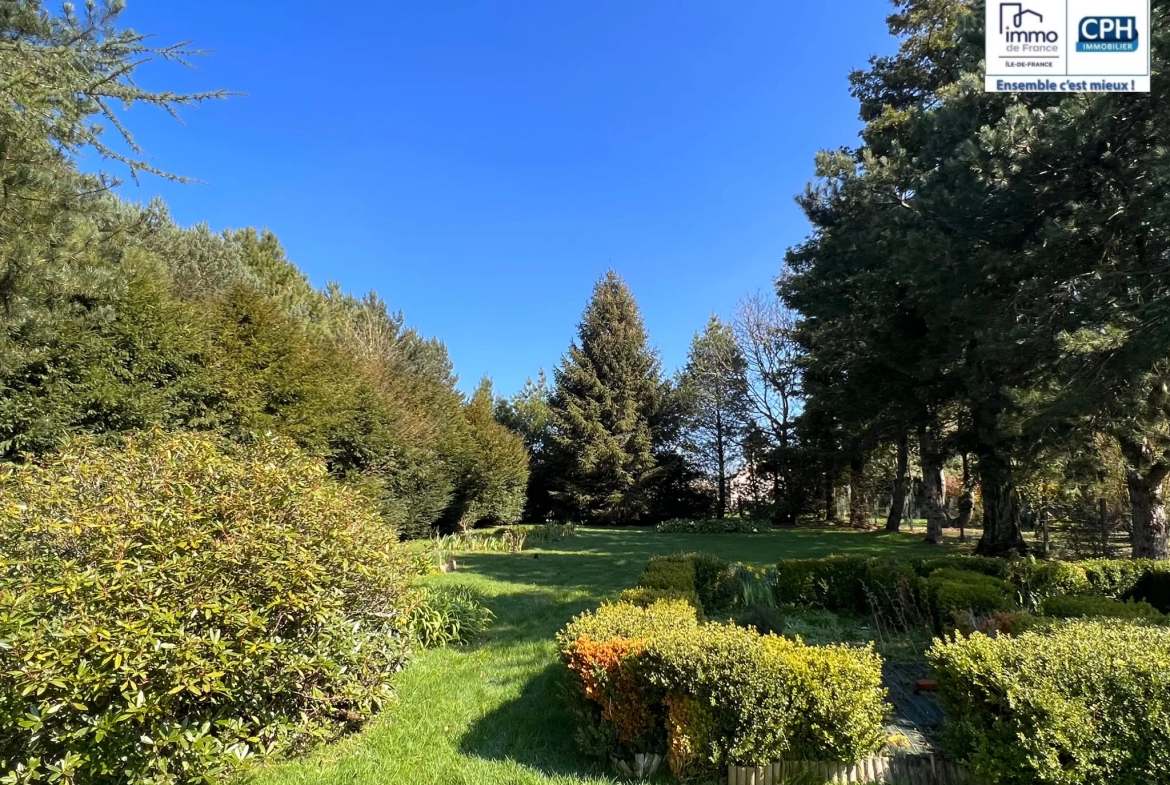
[605, 412]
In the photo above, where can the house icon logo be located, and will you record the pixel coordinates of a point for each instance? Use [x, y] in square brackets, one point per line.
[1019, 24]
[1013, 16]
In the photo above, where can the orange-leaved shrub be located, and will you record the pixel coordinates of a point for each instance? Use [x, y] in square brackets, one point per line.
[174, 606]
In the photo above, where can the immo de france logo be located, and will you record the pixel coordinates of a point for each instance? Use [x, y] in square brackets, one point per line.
[1024, 27]
[1068, 46]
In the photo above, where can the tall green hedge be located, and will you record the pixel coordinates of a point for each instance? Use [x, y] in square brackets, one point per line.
[1081, 704]
[176, 605]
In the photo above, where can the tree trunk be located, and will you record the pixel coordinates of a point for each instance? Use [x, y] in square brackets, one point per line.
[1150, 530]
[830, 497]
[1001, 507]
[1144, 478]
[967, 500]
[721, 459]
[858, 514]
[898, 499]
[933, 486]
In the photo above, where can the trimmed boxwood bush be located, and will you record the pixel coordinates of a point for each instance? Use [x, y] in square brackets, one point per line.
[1081, 704]
[644, 598]
[1099, 607]
[176, 605]
[856, 584]
[715, 582]
[985, 565]
[675, 573]
[713, 694]
[950, 591]
[833, 583]
[1117, 577]
[712, 579]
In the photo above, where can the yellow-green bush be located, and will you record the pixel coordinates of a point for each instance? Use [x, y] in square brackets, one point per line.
[176, 605]
[769, 698]
[1079, 704]
[711, 694]
[644, 598]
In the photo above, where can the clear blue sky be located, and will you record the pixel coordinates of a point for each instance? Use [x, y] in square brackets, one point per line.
[480, 163]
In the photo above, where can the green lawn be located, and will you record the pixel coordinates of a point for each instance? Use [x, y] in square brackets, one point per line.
[490, 712]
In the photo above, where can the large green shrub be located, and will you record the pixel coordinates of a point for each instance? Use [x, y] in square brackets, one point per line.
[175, 605]
[985, 565]
[1081, 704]
[857, 584]
[715, 582]
[1117, 577]
[712, 694]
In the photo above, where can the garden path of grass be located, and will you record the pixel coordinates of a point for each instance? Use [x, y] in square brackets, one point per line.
[490, 712]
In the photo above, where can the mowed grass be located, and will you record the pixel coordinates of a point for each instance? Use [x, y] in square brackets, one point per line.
[492, 712]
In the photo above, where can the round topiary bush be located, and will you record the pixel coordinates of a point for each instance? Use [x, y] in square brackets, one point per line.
[175, 605]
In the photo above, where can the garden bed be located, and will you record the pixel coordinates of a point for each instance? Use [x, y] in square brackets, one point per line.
[846, 619]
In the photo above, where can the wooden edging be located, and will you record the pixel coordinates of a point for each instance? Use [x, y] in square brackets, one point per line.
[901, 770]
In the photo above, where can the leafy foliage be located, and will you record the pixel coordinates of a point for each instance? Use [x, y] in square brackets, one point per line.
[1089, 702]
[445, 615]
[175, 606]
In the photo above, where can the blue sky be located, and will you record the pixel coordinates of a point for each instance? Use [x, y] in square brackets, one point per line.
[481, 163]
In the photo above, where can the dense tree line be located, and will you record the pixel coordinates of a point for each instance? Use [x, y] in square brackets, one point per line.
[988, 277]
[116, 319]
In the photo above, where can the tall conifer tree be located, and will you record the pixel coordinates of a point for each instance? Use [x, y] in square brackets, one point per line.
[605, 406]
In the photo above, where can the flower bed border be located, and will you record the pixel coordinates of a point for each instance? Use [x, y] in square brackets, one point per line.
[899, 770]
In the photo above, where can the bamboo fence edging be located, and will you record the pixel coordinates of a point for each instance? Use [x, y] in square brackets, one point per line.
[900, 770]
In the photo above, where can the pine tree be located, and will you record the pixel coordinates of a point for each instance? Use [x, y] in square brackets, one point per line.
[714, 386]
[607, 401]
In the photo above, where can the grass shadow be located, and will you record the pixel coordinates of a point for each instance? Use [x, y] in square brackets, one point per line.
[535, 730]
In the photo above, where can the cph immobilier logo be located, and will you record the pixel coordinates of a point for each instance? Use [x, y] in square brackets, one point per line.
[1068, 46]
